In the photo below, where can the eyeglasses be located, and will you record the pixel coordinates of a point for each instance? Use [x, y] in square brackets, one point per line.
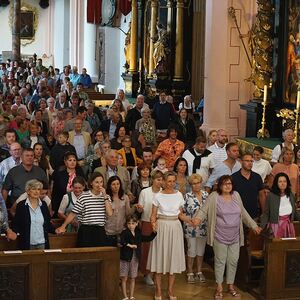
[227, 183]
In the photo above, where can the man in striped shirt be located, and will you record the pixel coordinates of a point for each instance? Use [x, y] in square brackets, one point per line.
[219, 147]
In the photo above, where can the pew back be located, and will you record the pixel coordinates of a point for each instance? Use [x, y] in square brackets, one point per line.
[85, 273]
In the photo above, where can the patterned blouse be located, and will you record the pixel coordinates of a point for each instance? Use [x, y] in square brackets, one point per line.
[190, 208]
[148, 131]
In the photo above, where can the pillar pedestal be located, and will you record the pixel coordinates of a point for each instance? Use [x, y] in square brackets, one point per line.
[132, 85]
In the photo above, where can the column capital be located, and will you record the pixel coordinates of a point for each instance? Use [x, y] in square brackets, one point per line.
[154, 3]
[180, 3]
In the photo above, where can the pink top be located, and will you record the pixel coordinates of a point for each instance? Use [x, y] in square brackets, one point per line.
[227, 230]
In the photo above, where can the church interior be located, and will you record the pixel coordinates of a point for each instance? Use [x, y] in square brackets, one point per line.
[213, 85]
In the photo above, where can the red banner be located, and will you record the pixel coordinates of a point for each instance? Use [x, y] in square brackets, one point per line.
[94, 11]
[125, 7]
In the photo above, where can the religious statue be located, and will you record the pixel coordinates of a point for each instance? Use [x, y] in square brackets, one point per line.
[127, 49]
[292, 76]
[161, 50]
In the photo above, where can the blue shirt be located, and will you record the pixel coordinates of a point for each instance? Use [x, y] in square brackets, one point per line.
[220, 170]
[79, 146]
[37, 223]
[75, 78]
[86, 80]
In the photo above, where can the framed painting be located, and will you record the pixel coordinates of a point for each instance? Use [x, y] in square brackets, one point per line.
[27, 25]
[28, 22]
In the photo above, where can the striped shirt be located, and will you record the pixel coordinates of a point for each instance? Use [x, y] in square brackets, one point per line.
[219, 153]
[91, 208]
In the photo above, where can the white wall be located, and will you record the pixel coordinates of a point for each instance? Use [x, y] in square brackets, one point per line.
[61, 33]
[42, 43]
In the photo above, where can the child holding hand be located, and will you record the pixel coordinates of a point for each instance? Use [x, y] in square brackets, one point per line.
[130, 241]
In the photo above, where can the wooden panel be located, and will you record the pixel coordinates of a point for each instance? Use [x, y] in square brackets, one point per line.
[74, 280]
[14, 282]
[279, 271]
[86, 273]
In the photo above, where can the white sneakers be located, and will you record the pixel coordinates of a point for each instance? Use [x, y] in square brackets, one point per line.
[148, 280]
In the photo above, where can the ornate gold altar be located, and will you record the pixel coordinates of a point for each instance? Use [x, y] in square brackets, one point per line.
[157, 51]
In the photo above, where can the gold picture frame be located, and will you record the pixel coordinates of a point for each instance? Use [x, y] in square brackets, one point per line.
[29, 22]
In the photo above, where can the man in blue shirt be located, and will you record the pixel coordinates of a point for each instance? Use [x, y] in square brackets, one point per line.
[227, 167]
[85, 79]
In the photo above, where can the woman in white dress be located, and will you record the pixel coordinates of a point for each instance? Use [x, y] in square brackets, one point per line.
[166, 255]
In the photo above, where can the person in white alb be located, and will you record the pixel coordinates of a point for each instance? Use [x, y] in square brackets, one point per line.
[219, 147]
[200, 160]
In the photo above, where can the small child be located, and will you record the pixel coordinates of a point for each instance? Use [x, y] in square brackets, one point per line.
[161, 165]
[130, 241]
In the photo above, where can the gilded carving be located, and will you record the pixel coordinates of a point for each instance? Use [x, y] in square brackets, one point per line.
[261, 47]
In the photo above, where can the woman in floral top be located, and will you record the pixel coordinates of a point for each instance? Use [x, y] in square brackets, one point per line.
[195, 236]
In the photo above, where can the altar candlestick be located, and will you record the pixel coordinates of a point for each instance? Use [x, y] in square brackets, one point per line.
[298, 101]
[140, 65]
[265, 93]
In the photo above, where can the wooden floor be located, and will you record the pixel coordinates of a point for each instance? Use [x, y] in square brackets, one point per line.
[185, 291]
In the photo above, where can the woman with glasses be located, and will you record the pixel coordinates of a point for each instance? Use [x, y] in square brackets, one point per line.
[195, 236]
[225, 216]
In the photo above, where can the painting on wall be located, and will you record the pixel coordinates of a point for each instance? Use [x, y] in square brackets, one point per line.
[27, 25]
[28, 22]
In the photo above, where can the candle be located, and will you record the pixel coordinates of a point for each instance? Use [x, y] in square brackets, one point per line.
[140, 64]
[265, 93]
[298, 101]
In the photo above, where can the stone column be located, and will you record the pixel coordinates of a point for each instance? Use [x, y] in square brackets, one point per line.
[134, 37]
[16, 41]
[178, 71]
[170, 15]
[154, 14]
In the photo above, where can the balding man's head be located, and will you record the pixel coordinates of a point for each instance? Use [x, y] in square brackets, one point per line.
[222, 137]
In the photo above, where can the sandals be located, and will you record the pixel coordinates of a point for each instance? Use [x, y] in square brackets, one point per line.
[218, 295]
[234, 293]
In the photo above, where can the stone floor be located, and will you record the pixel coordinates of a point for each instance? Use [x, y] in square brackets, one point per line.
[184, 291]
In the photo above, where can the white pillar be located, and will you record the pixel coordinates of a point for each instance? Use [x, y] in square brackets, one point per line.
[89, 57]
[61, 31]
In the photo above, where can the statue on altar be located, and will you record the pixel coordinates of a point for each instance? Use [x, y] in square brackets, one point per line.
[292, 76]
[127, 49]
[161, 50]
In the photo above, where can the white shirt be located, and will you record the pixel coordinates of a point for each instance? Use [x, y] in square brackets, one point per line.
[146, 200]
[207, 163]
[219, 153]
[168, 204]
[285, 207]
[262, 167]
[34, 140]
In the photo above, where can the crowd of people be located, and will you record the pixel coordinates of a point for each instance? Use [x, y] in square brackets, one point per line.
[133, 177]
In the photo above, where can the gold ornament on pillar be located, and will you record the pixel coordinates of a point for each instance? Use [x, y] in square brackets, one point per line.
[133, 37]
[178, 71]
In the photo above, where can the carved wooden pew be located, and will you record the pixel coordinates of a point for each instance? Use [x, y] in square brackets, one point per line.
[282, 269]
[82, 273]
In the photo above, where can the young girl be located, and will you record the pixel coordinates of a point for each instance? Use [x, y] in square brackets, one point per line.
[69, 200]
[131, 239]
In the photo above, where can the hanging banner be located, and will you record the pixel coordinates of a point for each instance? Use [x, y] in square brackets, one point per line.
[94, 13]
[125, 7]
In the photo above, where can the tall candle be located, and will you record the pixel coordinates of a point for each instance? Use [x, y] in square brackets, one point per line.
[298, 101]
[265, 93]
[140, 64]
